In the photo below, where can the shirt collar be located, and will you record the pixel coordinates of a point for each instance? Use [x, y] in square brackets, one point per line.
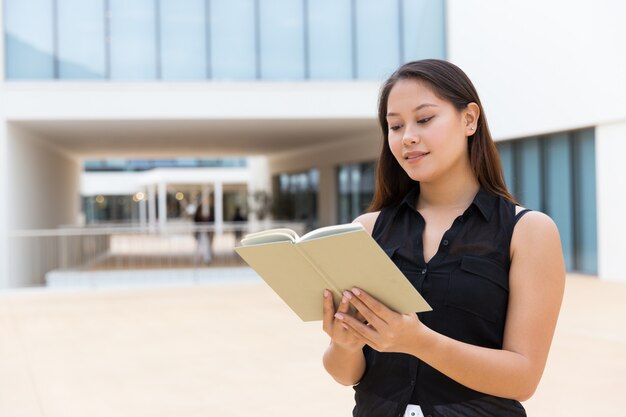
[484, 201]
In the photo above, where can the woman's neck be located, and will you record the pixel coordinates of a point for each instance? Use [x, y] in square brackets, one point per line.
[448, 193]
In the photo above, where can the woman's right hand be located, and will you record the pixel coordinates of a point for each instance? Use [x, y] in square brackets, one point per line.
[339, 335]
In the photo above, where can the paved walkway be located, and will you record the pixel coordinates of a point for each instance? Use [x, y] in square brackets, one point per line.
[236, 350]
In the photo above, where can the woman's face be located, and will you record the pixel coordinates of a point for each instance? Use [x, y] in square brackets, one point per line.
[428, 135]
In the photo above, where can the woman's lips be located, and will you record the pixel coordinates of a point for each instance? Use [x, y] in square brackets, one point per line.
[415, 156]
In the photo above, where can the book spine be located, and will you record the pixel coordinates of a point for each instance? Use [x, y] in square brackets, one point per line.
[328, 282]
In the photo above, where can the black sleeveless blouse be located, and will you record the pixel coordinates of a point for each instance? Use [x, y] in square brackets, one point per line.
[467, 285]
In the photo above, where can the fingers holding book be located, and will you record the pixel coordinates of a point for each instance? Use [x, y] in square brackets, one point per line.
[333, 325]
[386, 330]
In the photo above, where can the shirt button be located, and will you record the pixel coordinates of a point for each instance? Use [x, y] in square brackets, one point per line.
[424, 271]
[445, 243]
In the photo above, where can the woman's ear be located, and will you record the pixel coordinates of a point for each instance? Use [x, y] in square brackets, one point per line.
[470, 117]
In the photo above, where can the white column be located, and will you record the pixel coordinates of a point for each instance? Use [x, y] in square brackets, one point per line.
[143, 212]
[5, 279]
[162, 205]
[218, 197]
[152, 206]
[327, 196]
[611, 199]
[259, 181]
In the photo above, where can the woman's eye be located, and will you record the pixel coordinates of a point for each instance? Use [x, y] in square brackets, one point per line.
[395, 127]
[425, 120]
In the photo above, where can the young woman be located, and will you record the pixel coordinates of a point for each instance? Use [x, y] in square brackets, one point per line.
[492, 271]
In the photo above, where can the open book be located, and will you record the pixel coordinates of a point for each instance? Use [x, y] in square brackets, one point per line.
[338, 258]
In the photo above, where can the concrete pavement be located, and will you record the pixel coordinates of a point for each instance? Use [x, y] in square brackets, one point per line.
[235, 349]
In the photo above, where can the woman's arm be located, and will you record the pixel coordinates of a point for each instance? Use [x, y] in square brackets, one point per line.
[343, 358]
[536, 284]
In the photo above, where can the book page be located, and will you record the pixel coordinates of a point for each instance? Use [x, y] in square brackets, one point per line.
[331, 230]
[268, 236]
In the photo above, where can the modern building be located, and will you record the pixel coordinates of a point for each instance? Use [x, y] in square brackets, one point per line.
[291, 86]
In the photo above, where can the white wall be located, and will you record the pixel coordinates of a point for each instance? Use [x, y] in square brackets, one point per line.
[189, 101]
[42, 191]
[611, 200]
[128, 183]
[542, 66]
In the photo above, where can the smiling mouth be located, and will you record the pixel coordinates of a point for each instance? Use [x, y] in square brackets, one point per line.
[410, 157]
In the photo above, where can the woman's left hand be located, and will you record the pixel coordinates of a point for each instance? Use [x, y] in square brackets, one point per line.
[386, 330]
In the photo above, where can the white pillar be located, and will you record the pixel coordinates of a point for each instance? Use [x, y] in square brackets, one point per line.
[611, 200]
[327, 196]
[218, 197]
[259, 182]
[143, 212]
[152, 206]
[5, 279]
[162, 205]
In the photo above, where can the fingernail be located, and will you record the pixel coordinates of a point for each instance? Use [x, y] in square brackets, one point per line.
[326, 293]
[339, 316]
[347, 295]
[356, 291]
[344, 300]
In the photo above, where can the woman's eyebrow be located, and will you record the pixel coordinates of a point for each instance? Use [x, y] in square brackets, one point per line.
[415, 109]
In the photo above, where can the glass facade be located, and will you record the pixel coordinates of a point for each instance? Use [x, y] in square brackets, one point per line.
[29, 40]
[183, 40]
[356, 189]
[81, 39]
[218, 39]
[147, 164]
[295, 197]
[556, 174]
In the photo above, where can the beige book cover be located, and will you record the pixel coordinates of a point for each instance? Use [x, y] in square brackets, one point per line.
[338, 258]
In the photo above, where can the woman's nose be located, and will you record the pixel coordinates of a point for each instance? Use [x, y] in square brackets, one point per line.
[410, 137]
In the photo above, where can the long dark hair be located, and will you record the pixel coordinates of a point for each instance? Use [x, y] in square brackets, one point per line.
[450, 83]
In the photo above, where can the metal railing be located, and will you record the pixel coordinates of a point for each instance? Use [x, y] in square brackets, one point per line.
[34, 253]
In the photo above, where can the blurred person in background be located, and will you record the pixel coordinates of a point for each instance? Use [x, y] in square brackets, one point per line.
[204, 217]
[238, 218]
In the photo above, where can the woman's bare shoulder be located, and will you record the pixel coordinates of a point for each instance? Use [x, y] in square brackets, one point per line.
[368, 220]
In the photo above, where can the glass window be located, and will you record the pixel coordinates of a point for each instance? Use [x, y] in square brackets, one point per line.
[183, 40]
[133, 40]
[423, 25]
[506, 157]
[330, 39]
[233, 50]
[29, 40]
[295, 197]
[377, 48]
[556, 174]
[529, 174]
[81, 39]
[282, 40]
[585, 203]
[356, 189]
[559, 191]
